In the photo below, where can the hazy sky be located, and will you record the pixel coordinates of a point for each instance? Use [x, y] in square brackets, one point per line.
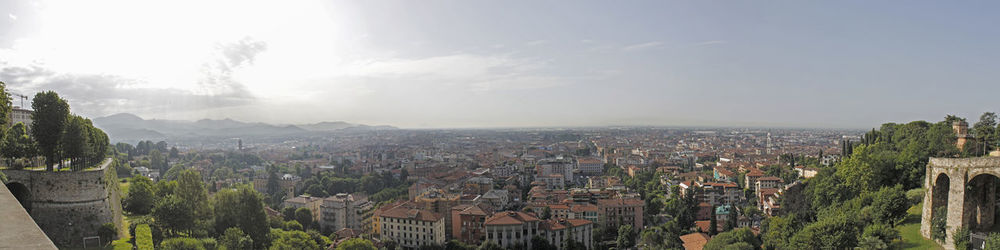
[503, 63]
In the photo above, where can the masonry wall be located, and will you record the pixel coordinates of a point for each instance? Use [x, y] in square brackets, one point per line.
[960, 172]
[69, 206]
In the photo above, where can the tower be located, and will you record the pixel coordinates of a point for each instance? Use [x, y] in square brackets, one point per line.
[239, 144]
[961, 132]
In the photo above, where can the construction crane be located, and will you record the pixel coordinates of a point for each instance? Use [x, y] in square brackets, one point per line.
[23, 97]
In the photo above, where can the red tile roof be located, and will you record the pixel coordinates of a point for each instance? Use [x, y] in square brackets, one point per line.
[510, 218]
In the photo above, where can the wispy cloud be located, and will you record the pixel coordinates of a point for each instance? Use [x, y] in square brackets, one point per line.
[12, 17]
[712, 42]
[643, 46]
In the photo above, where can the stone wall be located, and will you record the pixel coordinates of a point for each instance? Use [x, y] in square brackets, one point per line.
[70, 205]
[961, 206]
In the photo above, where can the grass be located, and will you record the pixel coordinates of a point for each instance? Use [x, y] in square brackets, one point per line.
[910, 231]
[123, 186]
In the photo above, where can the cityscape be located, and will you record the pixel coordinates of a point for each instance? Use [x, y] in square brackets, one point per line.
[403, 125]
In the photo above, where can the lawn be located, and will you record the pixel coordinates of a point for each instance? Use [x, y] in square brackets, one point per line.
[910, 231]
[123, 186]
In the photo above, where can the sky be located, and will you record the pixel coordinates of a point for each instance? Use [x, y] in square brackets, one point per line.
[460, 64]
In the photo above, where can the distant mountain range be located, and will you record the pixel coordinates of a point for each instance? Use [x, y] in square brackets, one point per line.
[130, 128]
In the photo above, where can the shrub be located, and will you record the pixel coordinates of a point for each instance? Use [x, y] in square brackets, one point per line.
[182, 244]
[143, 237]
[107, 233]
[961, 239]
[939, 225]
[915, 195]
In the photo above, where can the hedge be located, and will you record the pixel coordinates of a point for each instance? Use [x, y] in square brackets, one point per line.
[143, 237]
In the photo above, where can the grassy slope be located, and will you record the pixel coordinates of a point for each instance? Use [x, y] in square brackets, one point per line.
[910, 231]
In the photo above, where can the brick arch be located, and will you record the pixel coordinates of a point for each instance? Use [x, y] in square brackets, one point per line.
[979, 207]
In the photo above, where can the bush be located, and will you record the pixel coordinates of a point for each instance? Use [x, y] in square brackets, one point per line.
[107, 232]
[915, 195]
[961, 239]
[293, 226]
[182, 244]
[209, 243]
[939, 225]
[992, 242]
[143, 237]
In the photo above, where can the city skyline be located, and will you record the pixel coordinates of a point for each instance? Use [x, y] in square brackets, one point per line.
[440, 64]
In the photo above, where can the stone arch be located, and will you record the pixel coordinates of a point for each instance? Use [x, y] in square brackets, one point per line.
[940, 190]
[22, 193]
[980, 203]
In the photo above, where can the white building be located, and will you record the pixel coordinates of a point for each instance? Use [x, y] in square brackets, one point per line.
[412, 228]
[343, 211]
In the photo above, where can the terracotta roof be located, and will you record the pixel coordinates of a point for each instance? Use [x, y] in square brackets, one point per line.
[704, 225]
[553, 224]
[695, 241]
[583, 208]
[620, 201]
[769, 178]
[755, 172]
[589, 161]
[510, 218]
[411, 213]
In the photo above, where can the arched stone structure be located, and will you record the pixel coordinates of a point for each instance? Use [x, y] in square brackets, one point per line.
[68, 205]
[22, 194]
[967, 187]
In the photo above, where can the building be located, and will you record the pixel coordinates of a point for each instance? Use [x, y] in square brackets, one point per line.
[722, 174]
[962, 133]
[751, 178]
[806, 172]
[615, 212]
[768, 182]
[695, 241]
[439, 202]
[469, 223]
[516, 229]
[498, 198]
[288, 184]
[21, 115]
[343, 211]
[478, 185]
[558, 231]
[308, 202]
[555, 166]
[510, 229]
[590, 166]
[551, 182]
[719, 193]
[412, 227]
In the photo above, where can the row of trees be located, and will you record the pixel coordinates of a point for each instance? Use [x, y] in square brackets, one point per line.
[54, 133]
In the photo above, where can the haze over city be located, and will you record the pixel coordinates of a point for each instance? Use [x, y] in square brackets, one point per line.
[432, 64]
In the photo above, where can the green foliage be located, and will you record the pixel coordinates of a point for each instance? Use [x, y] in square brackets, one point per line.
[293, 226]
[174, 214]
[741, 238]
[75, 140]
[939, 221]
[889, 205]
[5, 105]
[234, 238]
[242, 208]
[143, 237]
[304, 217]
[831, 232]
[107, 232]
[209, 243]
[361, 244]
[540, 243]
[915, 195]
[182, 244]
[17, 144]
[778, 231]
[961, 239]
[871, 243]
[49, 118]
[626, 236]
[546, 213]
[191, 189]
[292, 240]
[882, 232]
[992, 242]
[713, 224]
[139, 199]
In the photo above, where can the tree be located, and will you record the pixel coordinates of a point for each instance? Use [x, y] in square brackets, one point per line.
[540, 243]
[75, 141]
[736, 239]
[292, 240]
[174, 214]
[242, 208]
[139, 199]
[546, 213]
[182, 244]
[625, 239]
[961, 239]
[304, 217]
[356, 244]
[191, 189]
[5, 105]
[156, 161]
[713, 224]
[49, 120]
[107, 232]
[985, 131]
[234, 238]
[17, 144]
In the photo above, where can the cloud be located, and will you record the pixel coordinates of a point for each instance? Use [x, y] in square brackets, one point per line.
[471, 71]
[12, 17]
[103, 94]
[712, 42]
[643, 46]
